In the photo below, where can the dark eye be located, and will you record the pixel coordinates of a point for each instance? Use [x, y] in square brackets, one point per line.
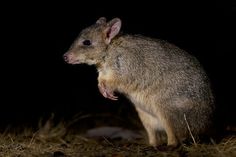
[87, 42]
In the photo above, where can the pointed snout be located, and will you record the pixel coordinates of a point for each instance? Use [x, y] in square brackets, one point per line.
[70, 58]
[66, 57]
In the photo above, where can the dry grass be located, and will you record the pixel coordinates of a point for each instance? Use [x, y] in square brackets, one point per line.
[55, 141]
[226, 148]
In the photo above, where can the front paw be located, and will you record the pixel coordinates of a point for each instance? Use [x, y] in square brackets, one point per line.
[106, 92]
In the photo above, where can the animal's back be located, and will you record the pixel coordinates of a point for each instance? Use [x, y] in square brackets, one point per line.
[160, 77]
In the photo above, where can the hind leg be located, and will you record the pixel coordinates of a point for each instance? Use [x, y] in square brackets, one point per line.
[172, 139]
[152, 125]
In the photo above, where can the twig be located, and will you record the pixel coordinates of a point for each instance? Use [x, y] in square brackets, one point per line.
[108, 141]
[11, 138]
[190, 131]
[32, 139]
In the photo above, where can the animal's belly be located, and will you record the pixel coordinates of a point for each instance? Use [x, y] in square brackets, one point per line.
[149, 105]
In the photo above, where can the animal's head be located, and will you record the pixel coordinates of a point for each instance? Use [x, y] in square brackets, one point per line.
[90, 47]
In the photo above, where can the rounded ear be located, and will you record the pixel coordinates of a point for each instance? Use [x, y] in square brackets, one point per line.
[101, 20]
[113, 28]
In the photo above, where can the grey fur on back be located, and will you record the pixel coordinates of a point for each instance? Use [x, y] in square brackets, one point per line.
[165, 83]
[171, 72]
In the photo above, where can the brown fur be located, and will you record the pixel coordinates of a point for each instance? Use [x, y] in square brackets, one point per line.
[163, 81]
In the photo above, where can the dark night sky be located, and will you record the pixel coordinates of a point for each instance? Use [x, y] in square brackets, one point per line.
[35, 80]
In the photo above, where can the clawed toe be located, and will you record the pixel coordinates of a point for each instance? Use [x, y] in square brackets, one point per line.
[106, 92]
[112, 96]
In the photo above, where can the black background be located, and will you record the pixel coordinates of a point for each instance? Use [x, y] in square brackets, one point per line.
[35, 81]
